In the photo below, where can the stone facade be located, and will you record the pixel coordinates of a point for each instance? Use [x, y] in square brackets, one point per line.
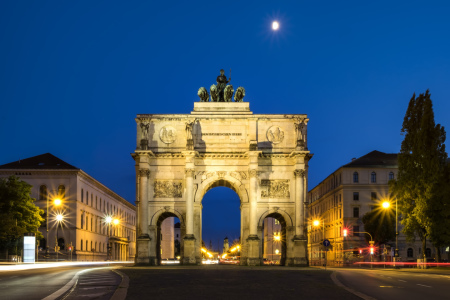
[85, 203]
[262, 157]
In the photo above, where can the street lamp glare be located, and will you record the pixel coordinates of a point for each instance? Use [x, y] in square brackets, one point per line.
[108, 220]
[386, 204]
[316, 223]
[116, 221]
[59, 217]
[57, 202]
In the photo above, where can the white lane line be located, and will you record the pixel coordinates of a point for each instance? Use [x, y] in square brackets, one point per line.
[336, 282]
[67, 287]
[402, 280]
[424, 285]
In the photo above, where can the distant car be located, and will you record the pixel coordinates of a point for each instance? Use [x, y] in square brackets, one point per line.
[169, 261]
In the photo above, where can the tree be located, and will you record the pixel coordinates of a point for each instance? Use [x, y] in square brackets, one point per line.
[421, 163]
[381, 225]
[18, 214]
[439, 212]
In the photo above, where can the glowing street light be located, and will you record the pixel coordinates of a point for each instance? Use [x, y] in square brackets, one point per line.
[386, 205]
[110, 221]
[275, 25]
[277, 237]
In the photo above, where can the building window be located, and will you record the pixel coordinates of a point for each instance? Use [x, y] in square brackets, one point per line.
[391, 175]
[82, 223]
[43, 192]
[81, 245]
[87, 197]
[356, 196]
[355, 230]
[355, 212]
[410, 252]
[355, 177]
[92, 200]
[82, 196]
[373, 177]
[87, 244]
[428, 252]
[373, 196]
[87, 223]
[62, 191]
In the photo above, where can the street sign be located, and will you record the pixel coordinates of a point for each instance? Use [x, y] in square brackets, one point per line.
[326, 243]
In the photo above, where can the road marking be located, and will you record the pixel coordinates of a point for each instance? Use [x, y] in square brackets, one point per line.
[402, 280]
[338, 283]
[424, 285]
[67, 287]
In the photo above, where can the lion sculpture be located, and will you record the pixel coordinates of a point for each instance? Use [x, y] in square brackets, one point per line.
[228, 93]
[239, 95]
[213, 91]
[203, 94]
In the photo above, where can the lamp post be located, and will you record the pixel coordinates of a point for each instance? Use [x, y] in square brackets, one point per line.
[316, 223]
[386, 205]
[59, 219]
[56, 202]
[109, 220]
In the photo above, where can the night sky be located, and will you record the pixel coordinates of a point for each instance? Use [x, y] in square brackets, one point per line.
[74, 74]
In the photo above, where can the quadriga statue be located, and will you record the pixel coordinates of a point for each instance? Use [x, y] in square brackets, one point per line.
[203, 94]
[228, 93]
[213, 91]
[239, 95]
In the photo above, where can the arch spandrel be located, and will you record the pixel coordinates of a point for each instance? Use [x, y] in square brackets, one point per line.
[287, 218]
[155, 217]
[228, 181]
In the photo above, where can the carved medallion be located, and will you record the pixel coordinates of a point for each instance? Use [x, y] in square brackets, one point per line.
[275, 188]
[168, 189]
[275, 134]
[168, 134]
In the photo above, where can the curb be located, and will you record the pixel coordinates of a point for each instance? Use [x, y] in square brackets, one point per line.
[122, 289]
[356, 293]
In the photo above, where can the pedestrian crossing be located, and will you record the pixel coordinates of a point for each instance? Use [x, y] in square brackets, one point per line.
[100, 283]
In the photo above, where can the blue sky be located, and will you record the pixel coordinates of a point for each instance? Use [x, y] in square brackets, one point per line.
[74, 74]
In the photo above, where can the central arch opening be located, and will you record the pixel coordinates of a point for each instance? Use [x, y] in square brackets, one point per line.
[221, 218]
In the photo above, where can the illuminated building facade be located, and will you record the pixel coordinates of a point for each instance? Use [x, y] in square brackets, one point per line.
[340, 201]
[83, 205]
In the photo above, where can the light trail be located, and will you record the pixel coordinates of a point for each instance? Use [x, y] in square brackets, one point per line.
[20, 267]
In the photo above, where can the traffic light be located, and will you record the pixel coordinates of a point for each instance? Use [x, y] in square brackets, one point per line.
[371, 250]
[344, 232]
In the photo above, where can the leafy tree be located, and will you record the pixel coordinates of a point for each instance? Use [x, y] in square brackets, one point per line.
[18, 214]
[420, 165]
[381, 225]
[439, 212]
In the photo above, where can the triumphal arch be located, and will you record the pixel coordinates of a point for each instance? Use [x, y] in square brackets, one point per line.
[262, 157]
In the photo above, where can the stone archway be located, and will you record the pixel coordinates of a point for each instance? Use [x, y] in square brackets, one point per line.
[263, 158]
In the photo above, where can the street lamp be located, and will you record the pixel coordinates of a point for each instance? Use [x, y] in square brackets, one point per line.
[316, 223]
[59, 219]
[386, 205]
[56, 202]
[109, 220]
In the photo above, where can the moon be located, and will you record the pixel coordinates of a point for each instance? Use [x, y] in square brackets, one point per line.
[275, 25]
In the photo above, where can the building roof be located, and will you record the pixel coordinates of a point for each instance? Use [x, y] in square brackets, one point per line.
[374, 158]
[44, 162]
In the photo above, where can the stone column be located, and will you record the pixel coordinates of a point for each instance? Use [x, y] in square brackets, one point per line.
[299, 202]
[143, 201]
[189, 202]
[299, 241]
[253, 202]
[253, 241]
[189, 257]
[143, 241]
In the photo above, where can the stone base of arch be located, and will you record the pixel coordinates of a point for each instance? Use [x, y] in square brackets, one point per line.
[299, 251]
[189, 255]
[143, 246]
[253, 253]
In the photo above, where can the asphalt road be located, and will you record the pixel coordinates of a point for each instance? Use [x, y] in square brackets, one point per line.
[232, 282]
[41, 283]
[393, 284]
